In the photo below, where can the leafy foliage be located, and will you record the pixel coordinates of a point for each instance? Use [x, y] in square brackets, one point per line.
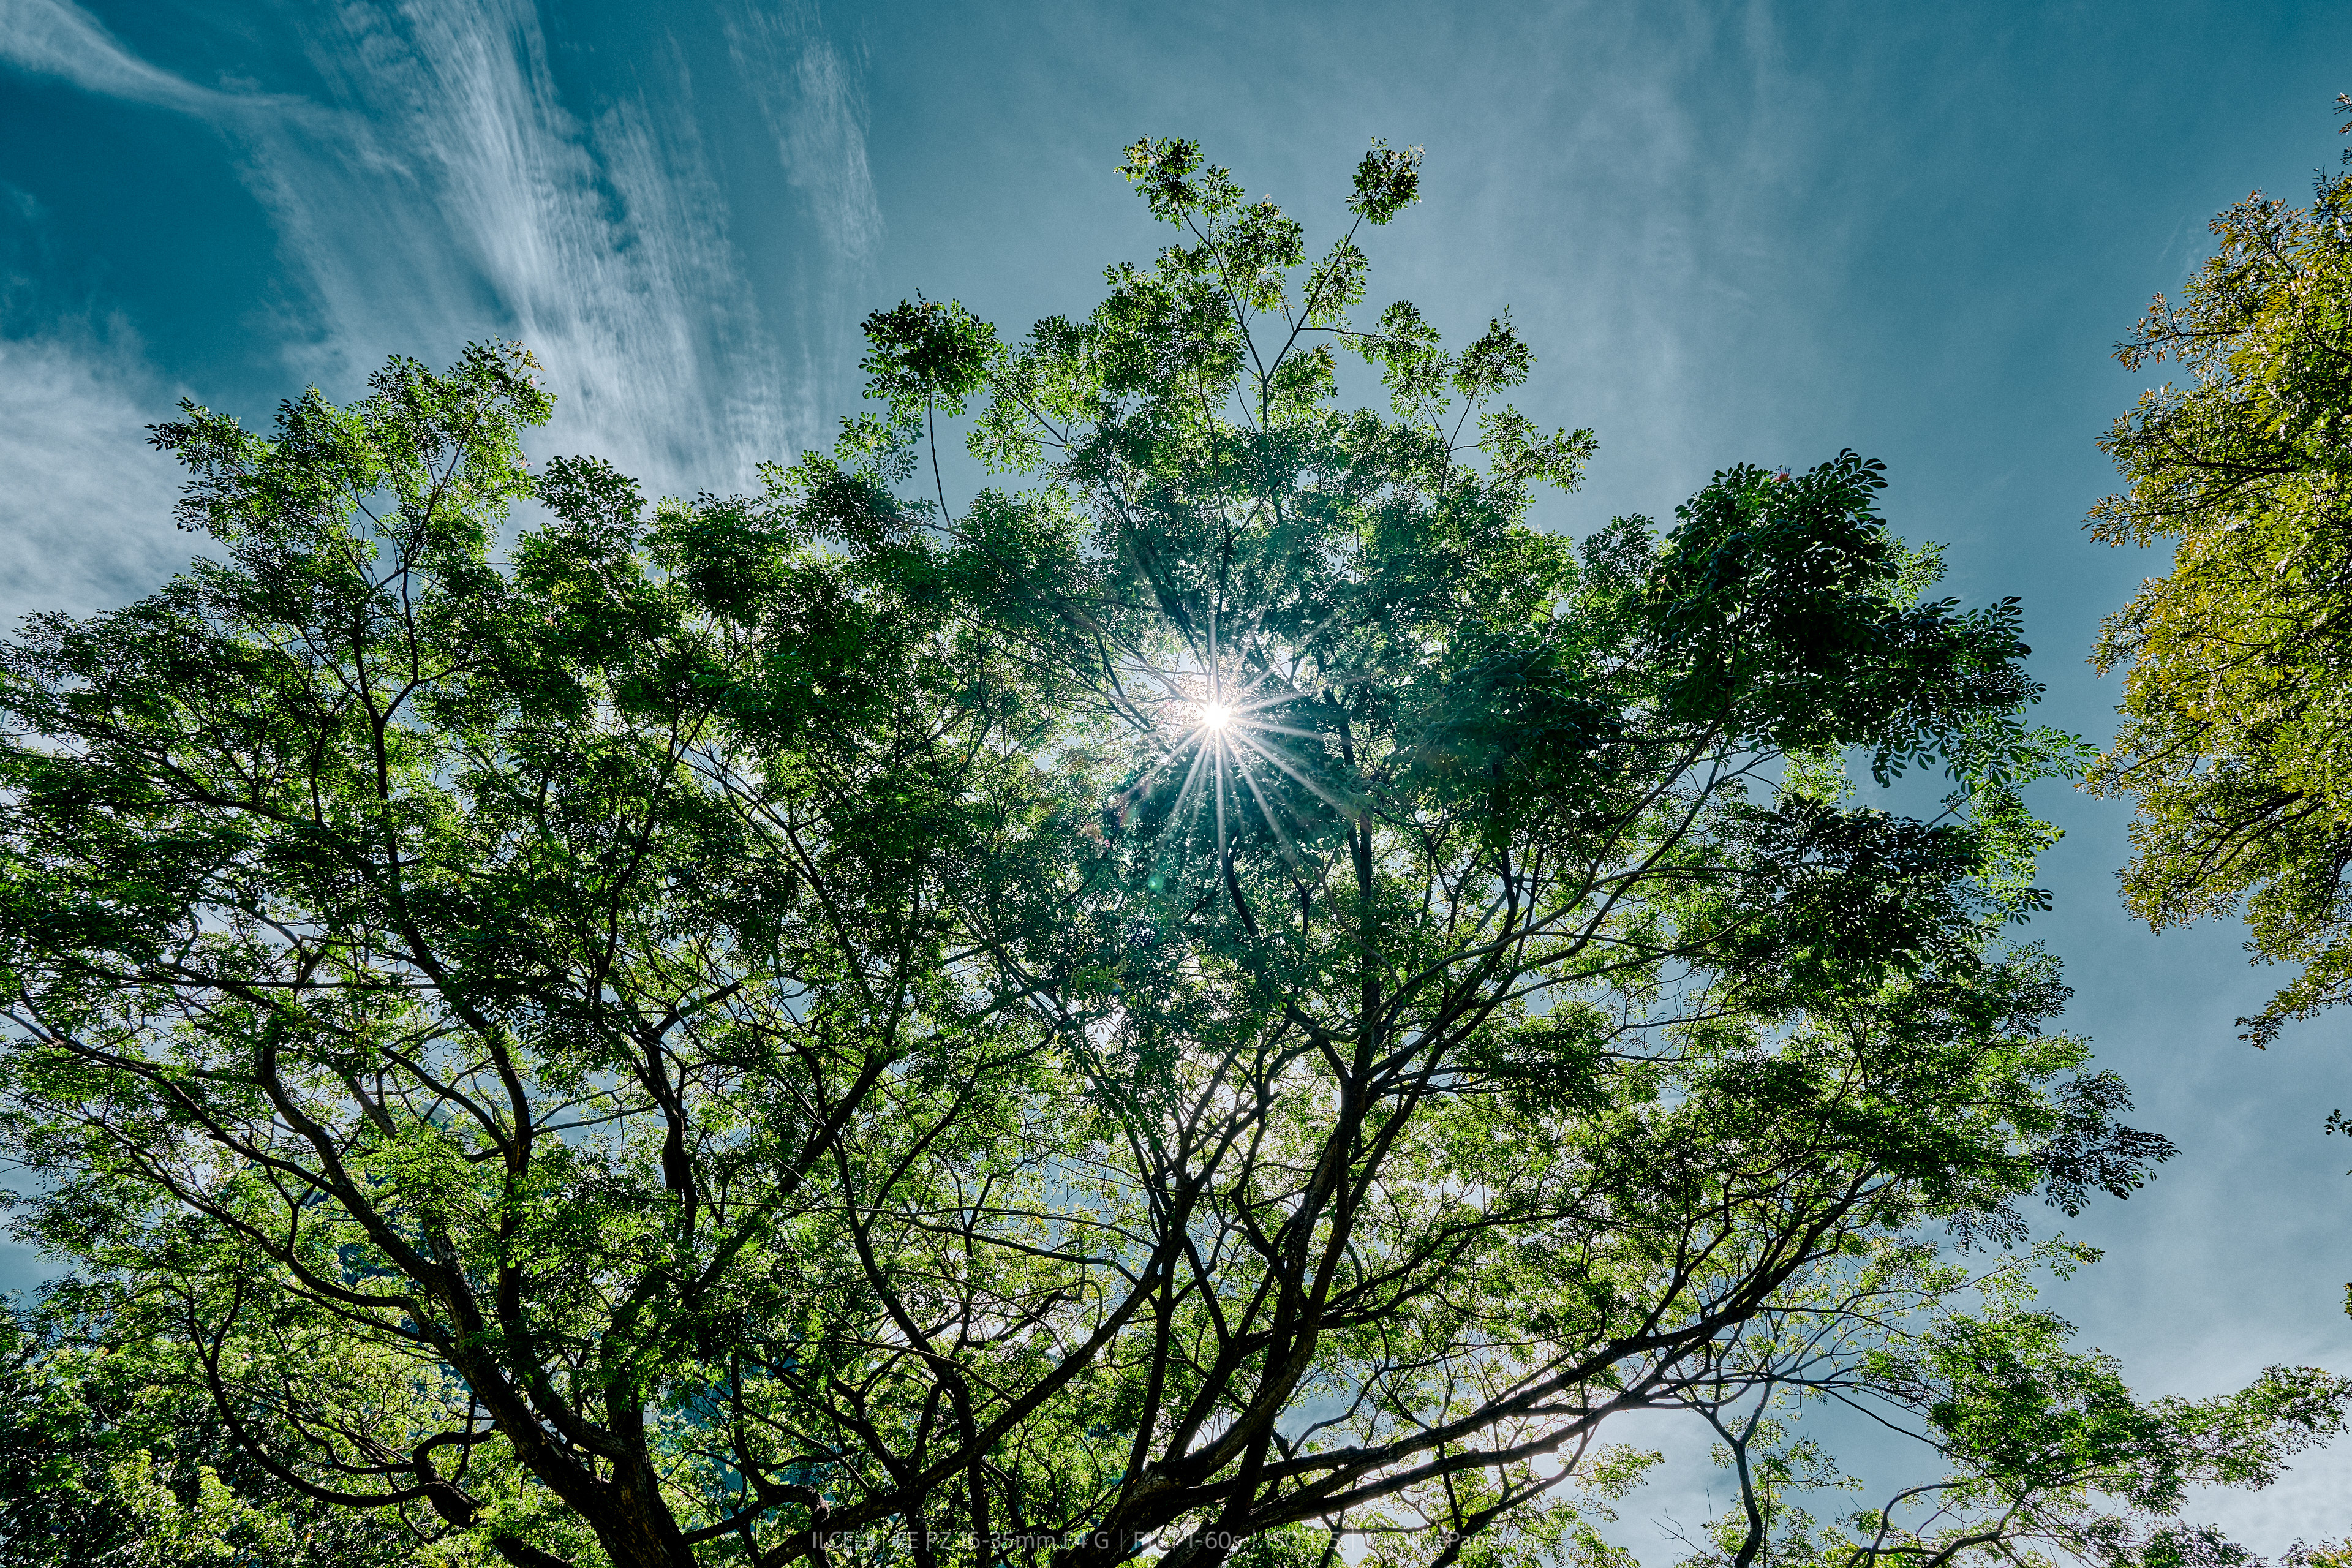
[1237, 996]
[2237, 735]
[118, 1459]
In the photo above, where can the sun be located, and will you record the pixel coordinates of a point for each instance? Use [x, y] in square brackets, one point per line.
[1215, 715]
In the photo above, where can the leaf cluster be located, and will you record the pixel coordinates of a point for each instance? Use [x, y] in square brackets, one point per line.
[2235, 741]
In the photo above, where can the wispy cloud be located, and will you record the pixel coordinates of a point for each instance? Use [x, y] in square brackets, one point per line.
[84, 505]
[57, 38]
[810, 98]
[465, 192]
[442, 190]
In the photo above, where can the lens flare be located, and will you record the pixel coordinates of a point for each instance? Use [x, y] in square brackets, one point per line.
[1215, 715]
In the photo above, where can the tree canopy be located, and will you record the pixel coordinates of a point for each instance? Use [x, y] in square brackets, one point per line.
[1228, 997]
[2237, 736]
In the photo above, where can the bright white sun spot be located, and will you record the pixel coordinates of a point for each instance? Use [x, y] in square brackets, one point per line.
[1215, 715]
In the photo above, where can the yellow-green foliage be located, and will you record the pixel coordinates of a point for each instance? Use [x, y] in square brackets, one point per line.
[2237, 734]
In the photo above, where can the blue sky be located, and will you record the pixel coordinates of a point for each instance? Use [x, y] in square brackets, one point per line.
[1732, 231]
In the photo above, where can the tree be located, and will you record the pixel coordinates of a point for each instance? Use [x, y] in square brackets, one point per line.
[2235, 706]
[110, 1460]
[1236, 995]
